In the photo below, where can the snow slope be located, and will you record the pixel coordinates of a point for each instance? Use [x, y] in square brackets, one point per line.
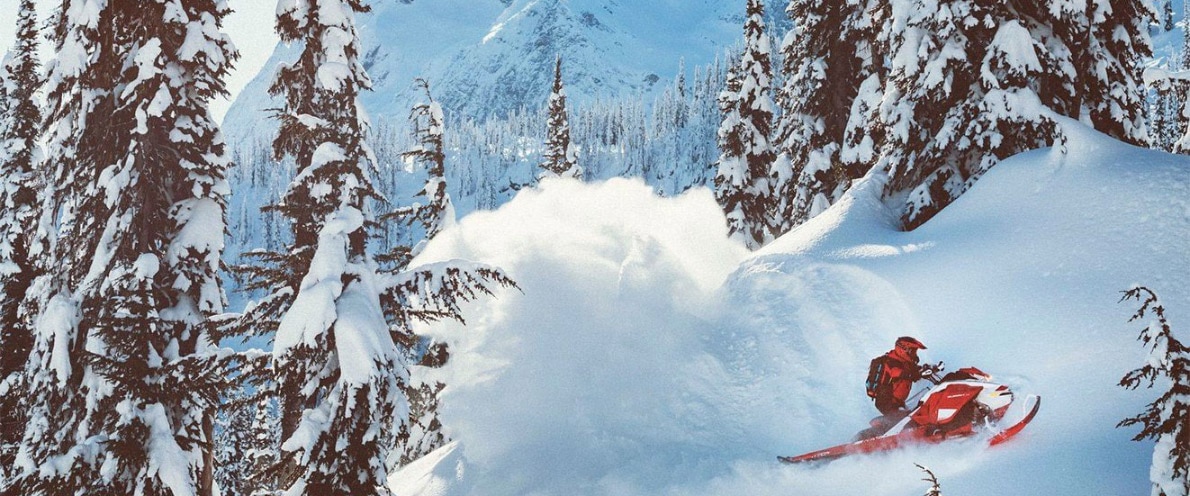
[648, 355]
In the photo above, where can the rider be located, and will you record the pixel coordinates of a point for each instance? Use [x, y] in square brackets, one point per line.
[902, 369]
[890, 380]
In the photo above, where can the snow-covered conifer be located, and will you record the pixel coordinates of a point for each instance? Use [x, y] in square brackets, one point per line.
[1184, 53]
[123, 365]
[826, 58]
[232, 439]
[437, 212]
[1167, 15]
[560, 157]
[971, 82]
[1179, 94]
[20, 158]
[335, 316]
[1165, 116]
[261, 457]
[743, 183]
[3, 89]
[1166, 420]
[682, 113]
[962, 93]
[433, 216]
[1107, 43]
[337, 370]
[422, 432]
[247, 440]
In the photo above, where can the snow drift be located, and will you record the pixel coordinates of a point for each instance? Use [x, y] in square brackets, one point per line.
[649, 355]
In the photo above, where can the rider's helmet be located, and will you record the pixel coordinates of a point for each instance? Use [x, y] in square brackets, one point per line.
[909, 346]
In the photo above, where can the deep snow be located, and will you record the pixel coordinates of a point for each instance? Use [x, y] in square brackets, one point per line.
[649, 355]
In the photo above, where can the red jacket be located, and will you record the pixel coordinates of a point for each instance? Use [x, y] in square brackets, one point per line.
[904, 370]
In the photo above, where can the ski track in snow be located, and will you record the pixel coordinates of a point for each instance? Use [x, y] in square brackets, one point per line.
[648, 355]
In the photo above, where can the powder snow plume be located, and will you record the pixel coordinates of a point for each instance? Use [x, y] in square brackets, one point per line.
[640, 358]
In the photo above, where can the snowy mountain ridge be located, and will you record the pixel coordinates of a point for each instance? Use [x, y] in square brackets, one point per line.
[486, 58]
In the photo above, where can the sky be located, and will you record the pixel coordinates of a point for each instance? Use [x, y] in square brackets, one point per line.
[250, 27]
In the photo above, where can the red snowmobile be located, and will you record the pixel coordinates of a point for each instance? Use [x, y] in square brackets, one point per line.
[963, 403]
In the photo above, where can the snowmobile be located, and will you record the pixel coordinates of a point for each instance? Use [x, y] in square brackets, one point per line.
[962, 404]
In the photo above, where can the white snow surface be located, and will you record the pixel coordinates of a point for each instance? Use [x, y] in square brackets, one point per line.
[649, 355]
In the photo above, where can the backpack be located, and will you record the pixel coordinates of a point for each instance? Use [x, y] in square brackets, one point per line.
[877, 378]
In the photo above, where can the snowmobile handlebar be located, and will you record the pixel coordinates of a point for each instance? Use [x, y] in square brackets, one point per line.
[930, 372]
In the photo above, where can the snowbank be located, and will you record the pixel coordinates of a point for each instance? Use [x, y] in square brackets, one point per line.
[648, 355]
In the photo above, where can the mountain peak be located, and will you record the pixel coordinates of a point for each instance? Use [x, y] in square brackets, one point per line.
[486, 58]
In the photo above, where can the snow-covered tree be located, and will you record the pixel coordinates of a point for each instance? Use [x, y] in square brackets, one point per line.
[232, 440]
[247, 441]
[1167, 15]
[1165, 104]
[422, 432]
[437, 212]
[335, 317]
[1165, 116]
[20, 158]
[1107, 42]
[560, 157]
[971, 82]
[1166, 90]
[125, 375]
[3, 89]
[962, 93]
[1184, 53]
[1166, 420]
[337, 371]
[1178, 96]
[827, 57]
[262, 457]
[744, 182]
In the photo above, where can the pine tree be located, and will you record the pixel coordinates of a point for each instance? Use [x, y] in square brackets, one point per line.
[233, 440]
[247, 440]
[1181, 92]
[1184, 60]
[20, 158]
[335, 317]
[4, 103]
[1168, 15]
[962, 94]
[743, 184]
[560, 157]
[1166, 420]
[437, 213]
[261, 457]
[1166, 126]
[123, 366]
[420, 432]
[827, 57]
[337, 371]
[1108, 43]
